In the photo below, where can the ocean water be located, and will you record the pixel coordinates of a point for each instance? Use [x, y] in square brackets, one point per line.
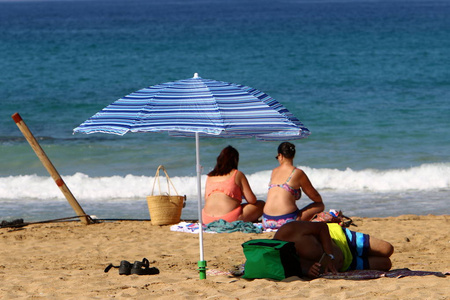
[370, 79]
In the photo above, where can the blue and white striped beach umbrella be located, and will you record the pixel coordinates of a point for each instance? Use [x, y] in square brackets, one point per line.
[198, 107]
[205, 106]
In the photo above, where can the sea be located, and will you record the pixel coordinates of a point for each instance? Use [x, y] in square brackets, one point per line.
[369, 78]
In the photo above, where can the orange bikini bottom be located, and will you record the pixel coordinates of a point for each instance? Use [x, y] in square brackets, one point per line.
[229, 217]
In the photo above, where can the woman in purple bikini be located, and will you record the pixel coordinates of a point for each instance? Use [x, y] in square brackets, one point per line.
[285, 188]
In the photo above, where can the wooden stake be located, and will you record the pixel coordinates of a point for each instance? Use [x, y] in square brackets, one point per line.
[50, 168]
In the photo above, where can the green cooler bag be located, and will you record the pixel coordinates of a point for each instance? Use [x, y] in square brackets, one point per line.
[273, 259]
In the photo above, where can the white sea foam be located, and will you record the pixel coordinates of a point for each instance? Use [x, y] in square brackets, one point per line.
[427, 177]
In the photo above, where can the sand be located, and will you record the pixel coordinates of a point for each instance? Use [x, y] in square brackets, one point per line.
[66, 260]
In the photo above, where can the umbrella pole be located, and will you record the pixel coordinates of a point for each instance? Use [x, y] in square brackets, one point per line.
[201, 262]
[50, 168]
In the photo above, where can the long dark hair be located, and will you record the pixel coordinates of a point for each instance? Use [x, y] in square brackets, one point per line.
[287, 150]
[227, 160]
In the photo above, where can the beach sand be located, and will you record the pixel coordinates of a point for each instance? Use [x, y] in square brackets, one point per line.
[66, 260]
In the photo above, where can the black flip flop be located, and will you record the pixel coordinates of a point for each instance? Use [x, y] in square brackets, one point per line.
[124, 268]
[143, 268]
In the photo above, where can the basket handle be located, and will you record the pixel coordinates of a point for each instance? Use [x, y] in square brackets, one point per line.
[169, 182]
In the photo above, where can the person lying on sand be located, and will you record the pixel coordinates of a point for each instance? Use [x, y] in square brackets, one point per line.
[348, 250]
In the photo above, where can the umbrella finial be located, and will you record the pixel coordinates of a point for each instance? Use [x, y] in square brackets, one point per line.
[195, 75]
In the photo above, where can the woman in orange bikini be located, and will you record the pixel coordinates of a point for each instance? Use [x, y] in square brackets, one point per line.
[286, 185]
[225, 188]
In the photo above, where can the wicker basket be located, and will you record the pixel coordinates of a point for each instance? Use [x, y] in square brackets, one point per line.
[165, 209]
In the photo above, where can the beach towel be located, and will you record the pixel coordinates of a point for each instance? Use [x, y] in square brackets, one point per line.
[187, 227]
[350, 275]
[221, 226]
[241, 226]
[373, 274]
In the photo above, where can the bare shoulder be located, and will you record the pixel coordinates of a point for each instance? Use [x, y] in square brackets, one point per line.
[290, 230]
[240, 175]
[276, 170]
[299, 173]
[298, 228]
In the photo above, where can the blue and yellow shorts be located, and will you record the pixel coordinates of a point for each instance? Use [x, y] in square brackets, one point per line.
[359, 246]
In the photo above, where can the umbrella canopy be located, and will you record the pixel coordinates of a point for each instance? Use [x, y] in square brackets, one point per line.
[206, 106]
[200, 107]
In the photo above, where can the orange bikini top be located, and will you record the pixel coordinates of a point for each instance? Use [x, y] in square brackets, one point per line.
[228, 187]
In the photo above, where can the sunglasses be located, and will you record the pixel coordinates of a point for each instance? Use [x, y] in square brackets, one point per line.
[276, 157]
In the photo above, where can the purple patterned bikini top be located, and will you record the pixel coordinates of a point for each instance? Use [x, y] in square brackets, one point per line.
[297, 193]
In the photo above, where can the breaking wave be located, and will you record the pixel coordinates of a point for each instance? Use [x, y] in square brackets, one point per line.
[422, 178]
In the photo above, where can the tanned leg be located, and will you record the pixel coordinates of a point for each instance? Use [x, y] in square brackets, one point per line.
[379, 253]
[308, 212]
[251, 212]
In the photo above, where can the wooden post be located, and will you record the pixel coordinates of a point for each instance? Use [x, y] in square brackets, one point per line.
[50, 168]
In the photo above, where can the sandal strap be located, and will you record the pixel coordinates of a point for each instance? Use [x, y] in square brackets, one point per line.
[109, 267]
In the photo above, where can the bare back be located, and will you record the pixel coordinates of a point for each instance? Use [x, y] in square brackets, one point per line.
[279, 200]
[219, 203]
